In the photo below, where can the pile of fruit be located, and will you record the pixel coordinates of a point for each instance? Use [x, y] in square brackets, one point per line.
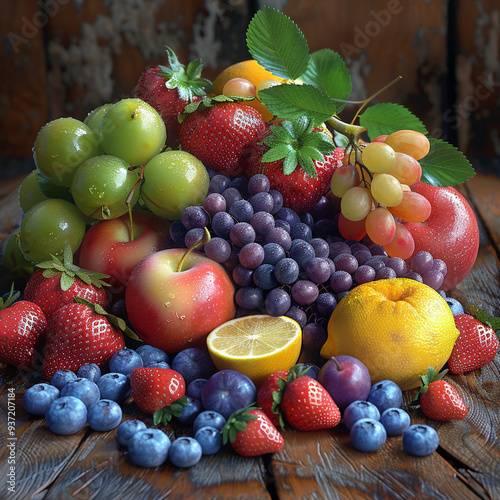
[278, 255]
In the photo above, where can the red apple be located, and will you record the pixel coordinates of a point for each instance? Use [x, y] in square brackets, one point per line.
[172, 309]
[450, 233]
[107, 247]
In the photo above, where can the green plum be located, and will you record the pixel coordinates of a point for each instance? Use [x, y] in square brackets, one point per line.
[14, 260]
[94, 118]
[132, 130]
[102, 184]
[48, 227]
[174, 180]
[61, 146]
[29, 192]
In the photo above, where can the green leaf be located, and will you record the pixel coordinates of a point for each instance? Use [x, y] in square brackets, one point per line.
[277, 43]
[276, 153]
[290, 162]
[66, 282]
[327, 71]
[52, 191]
[386, 118]
[444, 165]
[290, 102]
[306, 164]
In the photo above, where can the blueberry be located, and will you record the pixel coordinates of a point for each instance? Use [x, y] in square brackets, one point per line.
[148, 448]
[37, 398]
[367, 435]
[420, 440]
[385, 394]
[127, 429]
[185, 452]
[125, 361]
[158, 364]
[195, 388]
[312, 371]
[104, 415]
[209, 418]
[66, 415]
[358, 410]
[395, 421]
[210, 440]
[114, 386]
[455, 306]
[149, 354]
[61, 378]
[90, 371]
[193, 363]
[82, 388]
[190, 411]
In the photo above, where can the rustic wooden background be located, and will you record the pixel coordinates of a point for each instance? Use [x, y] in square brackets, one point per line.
[65, 57]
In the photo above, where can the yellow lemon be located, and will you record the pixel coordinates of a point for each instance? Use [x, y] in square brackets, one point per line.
[396, 327]
[256, 345]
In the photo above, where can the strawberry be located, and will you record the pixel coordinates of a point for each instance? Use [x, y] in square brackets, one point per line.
[169, 90]
[299, 160]
[159, 392]
[22, 330]
[79, 333]
[438, 399]
[265, 398]
[221, 133]
[307, 405]
[251, 433]
[56, 283]
[477, 343]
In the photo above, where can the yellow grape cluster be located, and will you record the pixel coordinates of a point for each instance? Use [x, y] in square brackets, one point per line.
[379, 204]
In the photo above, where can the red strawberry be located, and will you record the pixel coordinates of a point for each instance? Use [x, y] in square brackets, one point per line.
[477, 343]
[438, 399]
[307, 406]
[222, 135]
[22, 330]
[299, 160]
[251, 433]
[158, 391]
[57, 283]
[169, 90]
[79, 333]
[265, 399]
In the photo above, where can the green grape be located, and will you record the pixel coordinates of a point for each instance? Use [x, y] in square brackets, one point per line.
[344, 178]
[174, 180]
[132, 130]
[48, 227]
[29, 192]
[356, 203]
[378, 157]
[94, 118]
[387, 190]
[14, 260]
[409, 142]
[101, 186]
[61, 146]
[406, 169]
[380, 226]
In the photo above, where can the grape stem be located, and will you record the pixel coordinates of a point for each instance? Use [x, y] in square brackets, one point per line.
[202, 241]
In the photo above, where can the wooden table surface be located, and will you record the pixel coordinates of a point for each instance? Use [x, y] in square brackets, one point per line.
[312, 465]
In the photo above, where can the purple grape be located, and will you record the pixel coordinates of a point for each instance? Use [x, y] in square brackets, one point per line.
[231, 195]
[232, 261]
[193, 236]
[218, 183]
[362, 256]
[214, 203]
[280, 236]
[241, 210]
[439, 265]
[278, 201]
[421, 262]
[318, 270]
[399, 266]
[304, 292]
[283, 224]
[302, 252]
[298, 315]
[341, 281]
[385, 273]
[273, 253]
[288, 215]
[308, 219]
[241, 184]
[262, 202]
[345, 262]
[249, 298]
[222, 223]
[356, 247]
[262, 222]
[264, 277]
[313, 337]
[414, 276]
[241, 234]
[217, 249]
[377, 250]
[178, 232]
[252, 255]
[364, 274]
[277, 302]
[258, 183]
[339, 248]
[375, 263]
[301, 231]
[326, 303]
[322, 209]
[434, 279]
[242, 276]
[286, 271]
[323, 228]
[321, 247]
[194, 216]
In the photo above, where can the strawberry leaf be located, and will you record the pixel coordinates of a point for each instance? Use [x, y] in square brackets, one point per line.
[164, 415]
[327, 71]
[277, 43]
[237, 422]
[290, 162]
[485, 317]
[66, 282]
[445, 165]
[386, 118]
[11, 298]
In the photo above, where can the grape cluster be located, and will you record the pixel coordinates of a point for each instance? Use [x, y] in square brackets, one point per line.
[375, 192]
[288, 264]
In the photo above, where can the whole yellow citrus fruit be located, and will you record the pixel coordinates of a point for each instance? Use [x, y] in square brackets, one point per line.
[396, 327]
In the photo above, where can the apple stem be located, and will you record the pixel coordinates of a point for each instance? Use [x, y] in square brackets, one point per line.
[339, 367]
[128, 201]
[202, 241]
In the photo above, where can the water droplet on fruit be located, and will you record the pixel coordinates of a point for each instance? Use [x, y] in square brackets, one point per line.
[171, 295]
[168, 304]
